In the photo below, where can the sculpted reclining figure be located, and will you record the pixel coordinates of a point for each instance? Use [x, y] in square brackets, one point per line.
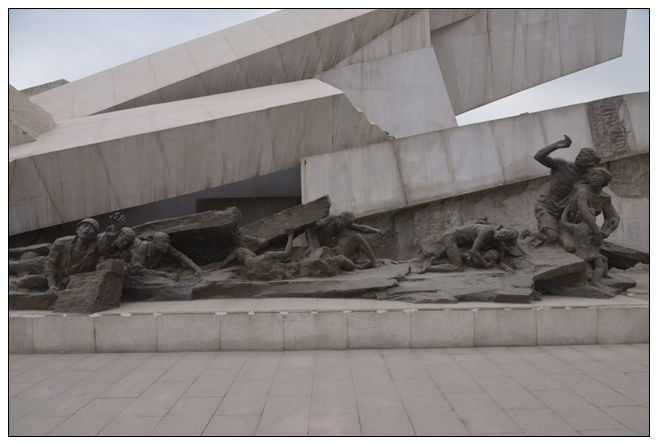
[333, 232]
[564, 175]
[148, 253]
[486, 247]
[279, 265]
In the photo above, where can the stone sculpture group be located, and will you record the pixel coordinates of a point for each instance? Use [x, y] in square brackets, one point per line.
[92, 271]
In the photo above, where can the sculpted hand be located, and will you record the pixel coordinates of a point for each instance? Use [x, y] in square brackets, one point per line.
[117, 219]
[564, 143]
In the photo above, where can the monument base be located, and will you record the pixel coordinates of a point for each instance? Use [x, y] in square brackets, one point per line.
[334, 323]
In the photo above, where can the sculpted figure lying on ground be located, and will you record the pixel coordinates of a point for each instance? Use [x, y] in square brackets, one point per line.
[80, 253]
[334, 232]
[486, 245]
[564, 175]
[148, 253]
[579, 232]
[279, 265]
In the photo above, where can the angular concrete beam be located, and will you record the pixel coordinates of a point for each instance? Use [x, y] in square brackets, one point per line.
[26, 120]
[113, 161]
[461, 160]
[444, 17]
[285, 46]
[498, 52]
[397, 100]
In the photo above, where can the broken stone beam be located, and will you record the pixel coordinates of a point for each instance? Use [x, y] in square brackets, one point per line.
[204, 237]
[274, 227]
[37, 249]
[623, 257]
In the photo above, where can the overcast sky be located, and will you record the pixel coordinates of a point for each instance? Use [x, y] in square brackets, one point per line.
[46, 45]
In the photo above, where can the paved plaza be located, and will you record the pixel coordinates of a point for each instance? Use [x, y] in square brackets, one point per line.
[549, 390]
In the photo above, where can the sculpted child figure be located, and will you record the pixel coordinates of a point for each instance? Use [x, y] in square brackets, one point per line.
[579, 231]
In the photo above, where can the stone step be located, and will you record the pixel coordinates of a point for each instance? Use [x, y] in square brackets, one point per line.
[324, 323]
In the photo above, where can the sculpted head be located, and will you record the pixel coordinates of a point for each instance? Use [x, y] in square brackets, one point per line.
[599, 177]
[587, 157]
[125, 239]
[160, 240]
[242, 254]
[346, 218]
[87, 229]
[506, 236]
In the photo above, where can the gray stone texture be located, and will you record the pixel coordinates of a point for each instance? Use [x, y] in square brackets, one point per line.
[66, 333]
[188, 332]
[118, 333]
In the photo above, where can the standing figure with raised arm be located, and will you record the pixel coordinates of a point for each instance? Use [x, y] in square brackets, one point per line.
[564, 175]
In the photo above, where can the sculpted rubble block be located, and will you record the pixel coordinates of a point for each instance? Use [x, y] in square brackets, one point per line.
[94, 291]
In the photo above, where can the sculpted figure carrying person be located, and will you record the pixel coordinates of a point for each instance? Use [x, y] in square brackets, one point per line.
[564, 175]
[80, 253]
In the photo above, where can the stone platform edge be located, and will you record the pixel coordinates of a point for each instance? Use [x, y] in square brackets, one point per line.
[328, 329]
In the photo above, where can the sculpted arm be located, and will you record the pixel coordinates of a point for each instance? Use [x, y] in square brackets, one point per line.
[183, 259]
[365, 229]
[286, 252]
[52, 262]
[610, 218]
[543, 157]
[483, 235]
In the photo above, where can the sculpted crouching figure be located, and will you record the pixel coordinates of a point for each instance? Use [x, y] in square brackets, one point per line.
[564, 176]
[80, 253]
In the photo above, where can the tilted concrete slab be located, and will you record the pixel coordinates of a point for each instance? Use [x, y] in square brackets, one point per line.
[282, 47]
[498, 52]
[26, 120]
[112, 161]
[402, 102]
[456, 161]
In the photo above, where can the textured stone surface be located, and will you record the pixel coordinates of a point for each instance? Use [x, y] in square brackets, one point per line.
[350, 284]
[188, 332]
[20, 335]
[67, 333]
[566, 326]
[91, 292]
[297, 218]
[117, 333]
[441, 329]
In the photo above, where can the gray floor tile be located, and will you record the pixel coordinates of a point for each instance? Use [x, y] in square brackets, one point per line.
[345, 424]
[33, 425]
[232, 426]
[635, 418]
[188, 417]
[285, 416]
[576, 411]
[540, 422]
[480, 414]
[92, 419]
